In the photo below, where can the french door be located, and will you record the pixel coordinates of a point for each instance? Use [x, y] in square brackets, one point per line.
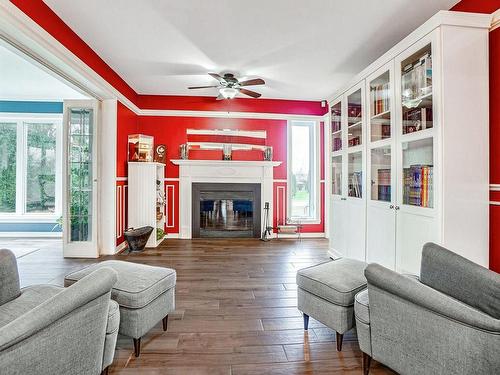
[80, 122]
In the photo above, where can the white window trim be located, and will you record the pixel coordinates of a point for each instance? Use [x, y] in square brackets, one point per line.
[316, 219]
[21, 216]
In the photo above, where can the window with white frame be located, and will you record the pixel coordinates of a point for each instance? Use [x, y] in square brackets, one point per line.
[303, 168]
[30, 166]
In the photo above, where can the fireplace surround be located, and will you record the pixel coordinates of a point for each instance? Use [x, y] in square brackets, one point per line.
[217, 172]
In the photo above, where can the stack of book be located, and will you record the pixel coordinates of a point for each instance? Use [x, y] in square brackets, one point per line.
[418, 185]
[380, 98]
[336, 123]
[384, 185]
[355, 186]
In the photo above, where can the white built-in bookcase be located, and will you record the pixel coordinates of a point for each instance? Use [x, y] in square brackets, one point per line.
[145, 195]
[409, 148]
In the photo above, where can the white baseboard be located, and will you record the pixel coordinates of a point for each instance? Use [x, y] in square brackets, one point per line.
[32, 234]
[172, 236]
[119, 248]
[303, 235]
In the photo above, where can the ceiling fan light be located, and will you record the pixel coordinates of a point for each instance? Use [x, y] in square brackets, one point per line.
[228, 92]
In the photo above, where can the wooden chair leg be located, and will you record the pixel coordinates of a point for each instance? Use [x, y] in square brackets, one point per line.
[306, 322]
[340, 337]
[105, 371]
[165, 323]
[137, 347]
[366, 363]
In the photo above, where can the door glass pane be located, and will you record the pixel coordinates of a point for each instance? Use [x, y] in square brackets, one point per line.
[380, 114]
[416, 91]
[41, 168]
[355, 176]
[354, 119]
[337, 175]
[336, 115]
[80, 174]
[8, 143]
[418, 181]
[381, 174]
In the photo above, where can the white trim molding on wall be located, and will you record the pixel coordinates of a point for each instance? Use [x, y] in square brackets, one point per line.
[495, 22]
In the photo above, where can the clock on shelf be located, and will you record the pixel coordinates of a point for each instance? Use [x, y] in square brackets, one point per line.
[160, 154]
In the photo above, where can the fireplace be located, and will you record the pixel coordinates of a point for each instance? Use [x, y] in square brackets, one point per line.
[226, 210]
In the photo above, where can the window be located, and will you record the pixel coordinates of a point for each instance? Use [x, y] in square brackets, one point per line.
[303, 168]
[30, 167]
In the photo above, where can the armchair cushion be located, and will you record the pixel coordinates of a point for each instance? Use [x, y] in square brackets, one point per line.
[461, 279]
[9, 277]
[30, 297]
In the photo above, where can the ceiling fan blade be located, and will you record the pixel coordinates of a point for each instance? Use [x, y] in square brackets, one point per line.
[220, 97]
[253, 94]
[202, 87]
[253, 82]
[217, 77]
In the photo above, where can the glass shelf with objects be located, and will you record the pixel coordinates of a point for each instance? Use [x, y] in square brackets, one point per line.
[380, 164]
[355, 174]
[354, 119]
[337, 175]
[336, 126]
[416, 91]
[380, 107]
[418, 173]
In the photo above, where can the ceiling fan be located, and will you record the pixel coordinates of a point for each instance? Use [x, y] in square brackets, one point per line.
[229, 86]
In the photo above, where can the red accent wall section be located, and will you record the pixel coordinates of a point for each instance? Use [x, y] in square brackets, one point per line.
[39, 12]
[126, 124]
[209, 103]
[477, 6]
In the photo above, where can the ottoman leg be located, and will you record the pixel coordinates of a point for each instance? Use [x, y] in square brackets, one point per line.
[165, 323]
[306, 322]
[340, 337]
[137, 347]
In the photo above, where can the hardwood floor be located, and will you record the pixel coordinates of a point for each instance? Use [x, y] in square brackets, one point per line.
[235, 311]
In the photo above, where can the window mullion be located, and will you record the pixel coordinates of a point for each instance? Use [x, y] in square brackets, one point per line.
[19, 167]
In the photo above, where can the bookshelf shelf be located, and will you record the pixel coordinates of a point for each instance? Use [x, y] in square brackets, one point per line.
[395, 186]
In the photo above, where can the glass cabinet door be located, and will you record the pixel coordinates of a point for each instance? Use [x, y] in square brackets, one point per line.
[355, 174]
[337, 175]
[380, 170]
[416, 91]
[380, 107]
[336, 126]
[418, 173]
[354, 119]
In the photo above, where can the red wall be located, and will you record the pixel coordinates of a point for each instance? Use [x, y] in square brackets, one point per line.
[490, 6]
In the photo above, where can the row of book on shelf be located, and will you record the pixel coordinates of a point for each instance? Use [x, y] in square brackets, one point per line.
[336, 121]
[380, 98]
[384, 184]
[337, 144]
[418, 185]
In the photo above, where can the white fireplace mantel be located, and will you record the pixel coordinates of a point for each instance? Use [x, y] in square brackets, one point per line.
[221, 171]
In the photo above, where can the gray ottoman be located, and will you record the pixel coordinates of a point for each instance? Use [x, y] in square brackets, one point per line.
[326, 292]
[145, 294]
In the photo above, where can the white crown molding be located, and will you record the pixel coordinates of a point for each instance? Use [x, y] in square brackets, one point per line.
[222, 114]
[495, 23]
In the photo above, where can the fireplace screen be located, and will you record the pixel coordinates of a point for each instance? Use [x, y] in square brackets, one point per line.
[226, 210]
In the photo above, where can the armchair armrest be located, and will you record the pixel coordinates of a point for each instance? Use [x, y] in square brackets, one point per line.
[89, 288]
[422, 295]
[9, 277]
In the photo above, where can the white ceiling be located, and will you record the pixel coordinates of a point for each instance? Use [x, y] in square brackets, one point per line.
[302, 49]
[21, 79]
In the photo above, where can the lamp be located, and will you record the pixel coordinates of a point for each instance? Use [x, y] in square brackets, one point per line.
[228, 92]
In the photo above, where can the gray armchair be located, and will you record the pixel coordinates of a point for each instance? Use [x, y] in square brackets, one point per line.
[445, 322]
[46, 329]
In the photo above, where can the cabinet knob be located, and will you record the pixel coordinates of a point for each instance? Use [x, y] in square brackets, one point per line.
[396, 208]
[343, 199]
[391, 206]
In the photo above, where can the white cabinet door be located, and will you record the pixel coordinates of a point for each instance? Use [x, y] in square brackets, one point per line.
[380, 236]
[355, 229]
[338, 228]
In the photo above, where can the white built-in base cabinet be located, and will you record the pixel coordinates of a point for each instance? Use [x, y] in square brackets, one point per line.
[409, 149]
